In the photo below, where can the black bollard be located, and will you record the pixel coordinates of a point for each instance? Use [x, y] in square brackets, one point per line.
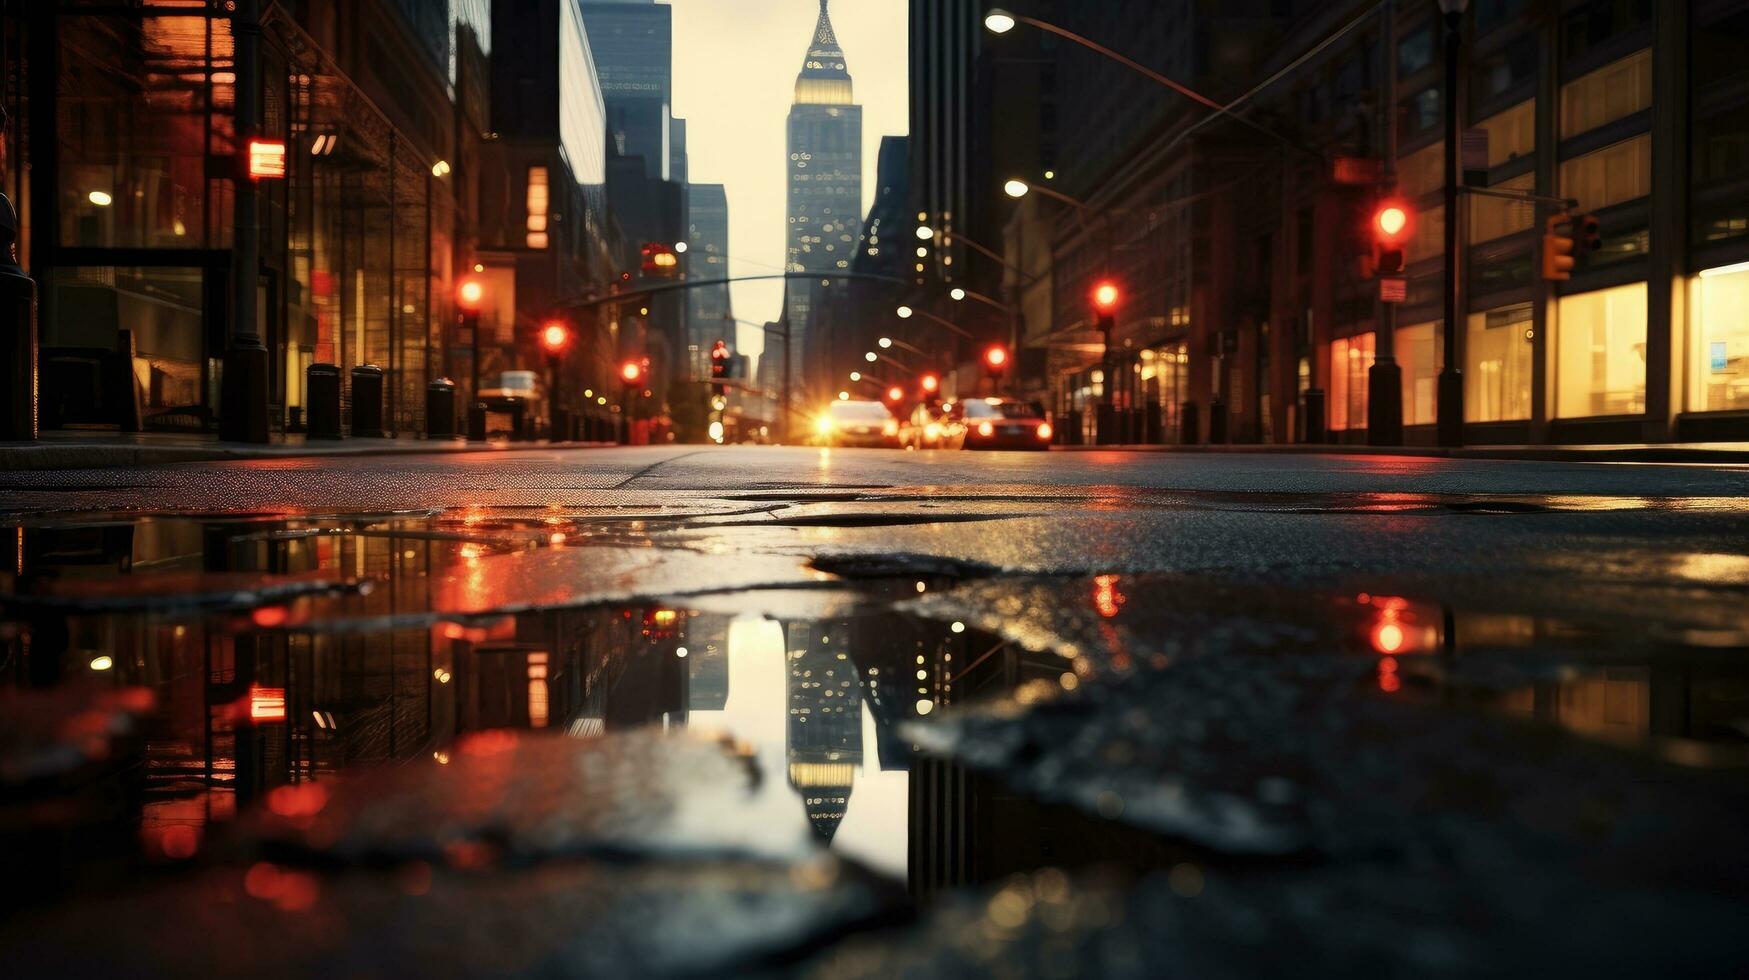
[477, 422]
[1189, 424]
[322, 385]
[1217, 422]
[367, 402]
[18, 343]
[1316, 431]
[440, 409]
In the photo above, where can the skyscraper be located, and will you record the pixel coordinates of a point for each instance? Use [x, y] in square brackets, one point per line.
[825, 180]
[633, 41]
[707, 236]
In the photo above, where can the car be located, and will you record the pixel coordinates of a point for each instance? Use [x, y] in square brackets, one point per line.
[858, 423]
[1001, 423]
[931, 427]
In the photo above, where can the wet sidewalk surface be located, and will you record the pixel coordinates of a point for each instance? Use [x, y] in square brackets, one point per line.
[477, 742]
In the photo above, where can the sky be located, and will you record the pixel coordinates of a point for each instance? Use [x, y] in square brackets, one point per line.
[735, 65]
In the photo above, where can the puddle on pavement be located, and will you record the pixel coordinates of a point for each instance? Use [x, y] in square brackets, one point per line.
[268, 652]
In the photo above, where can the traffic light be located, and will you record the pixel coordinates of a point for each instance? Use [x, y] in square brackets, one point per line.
[1390, 229]
[996, 358]
[660, 261]
[471, 295]
[554, 336]
[1587, 235]
[1558, 248]
[719, 366]
[931, 386]
[1106, 297]
[631, 374]
[895, 394]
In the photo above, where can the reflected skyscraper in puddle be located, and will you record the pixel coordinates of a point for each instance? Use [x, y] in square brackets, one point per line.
[824, 736]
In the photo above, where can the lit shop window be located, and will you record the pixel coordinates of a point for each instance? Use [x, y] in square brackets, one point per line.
[1350, 360]
[1497, 364]
[1718, 361]
[1418, 356]
[1600, 353]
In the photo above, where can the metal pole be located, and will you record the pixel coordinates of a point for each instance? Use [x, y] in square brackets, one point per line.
[1451, 382]
[1384, 397]
[788, 377]
[243, 393]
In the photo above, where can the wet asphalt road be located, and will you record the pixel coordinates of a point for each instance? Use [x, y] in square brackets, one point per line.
[1209, 715]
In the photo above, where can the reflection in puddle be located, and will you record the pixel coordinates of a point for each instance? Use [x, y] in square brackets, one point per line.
[280, 653]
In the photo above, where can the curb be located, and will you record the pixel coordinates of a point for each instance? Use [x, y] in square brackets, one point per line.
[76, 456]
[1536, 454]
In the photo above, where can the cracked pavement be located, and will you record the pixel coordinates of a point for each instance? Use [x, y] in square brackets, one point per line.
[1130, 714]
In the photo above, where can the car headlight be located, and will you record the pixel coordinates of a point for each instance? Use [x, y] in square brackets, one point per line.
[1044, 430]
[891, 428]
[932, 430]
[986, 429]
[823, 425]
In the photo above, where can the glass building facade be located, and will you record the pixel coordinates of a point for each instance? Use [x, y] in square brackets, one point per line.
[123, 153]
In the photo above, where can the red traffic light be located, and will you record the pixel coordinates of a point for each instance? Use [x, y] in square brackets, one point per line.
[931, 384]
[631, 372]
[471, 294]
[895, 393]
[660, 260]
[1106, 296]
[554, 336]
[1390, 223]
[996, 357]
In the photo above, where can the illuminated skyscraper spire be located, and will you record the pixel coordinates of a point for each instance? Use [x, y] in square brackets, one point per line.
[825, 78]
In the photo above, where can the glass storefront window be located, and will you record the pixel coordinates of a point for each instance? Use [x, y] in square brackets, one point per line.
[1511, 134]
[106, 312]
[1600, 353]
[1497, 364]
[1350, 360]
[1718, 360]
[1418, 356]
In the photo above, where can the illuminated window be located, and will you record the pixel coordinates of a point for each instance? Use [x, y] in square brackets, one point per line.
[1618, 172]
[1600, 352]
[1422, 171]
[1350, 360]
[1607, 94]
[1427, 237]
[1497, 365]
[1718, 365]
[1511, 134]
[1496, 217]
[1417, 354]
[537, 203]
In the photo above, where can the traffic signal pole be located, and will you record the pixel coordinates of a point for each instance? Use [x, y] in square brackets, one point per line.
[1384, 382]
[1451, 380]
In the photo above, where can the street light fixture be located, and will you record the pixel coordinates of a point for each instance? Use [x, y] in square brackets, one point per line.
[905, 312]
[925, 233]
[886, 342]
[957, 293]
[999, 21]
[1016, 188]
[871, 357]
[856, 375]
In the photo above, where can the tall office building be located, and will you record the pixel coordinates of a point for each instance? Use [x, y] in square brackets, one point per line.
[824, 739]
[825, 180]
[709, 314]
[633, 41]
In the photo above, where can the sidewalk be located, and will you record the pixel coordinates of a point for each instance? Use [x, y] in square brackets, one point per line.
[1714, 453]
[68, 450]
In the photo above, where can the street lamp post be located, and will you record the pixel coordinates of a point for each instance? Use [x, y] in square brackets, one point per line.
[1451, 381]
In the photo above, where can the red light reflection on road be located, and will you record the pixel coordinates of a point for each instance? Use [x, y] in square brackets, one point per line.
[1107, 600]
